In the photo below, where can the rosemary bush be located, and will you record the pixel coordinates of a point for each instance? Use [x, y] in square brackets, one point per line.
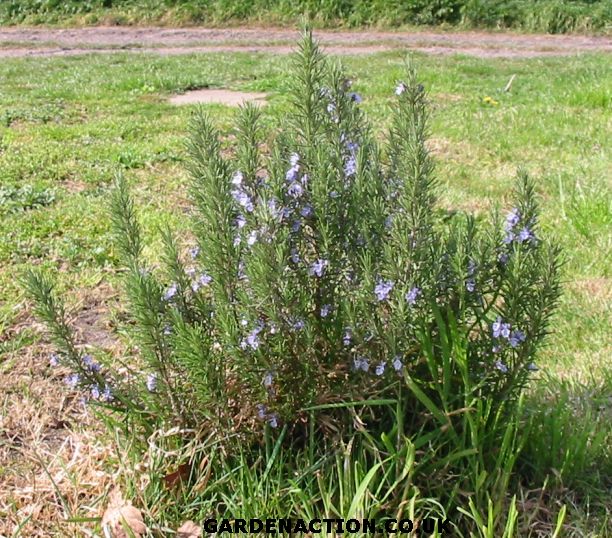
[326, 293]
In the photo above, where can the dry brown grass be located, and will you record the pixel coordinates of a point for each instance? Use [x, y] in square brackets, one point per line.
[54, 460]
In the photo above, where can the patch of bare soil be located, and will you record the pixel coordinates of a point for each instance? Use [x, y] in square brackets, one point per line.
[19, 42]
[223, 97]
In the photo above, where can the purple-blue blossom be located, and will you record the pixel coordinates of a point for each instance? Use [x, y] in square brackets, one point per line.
[90, 364]
[500, 328]
[400, 88]
[350, 167]
[306, 211]
[237, 178]
[54, 360]
[348, 337]
[525, 235]
[380, 368]
[295, 189]
[325, 310]
[261, 411]
[355, 97]
[318, 268]
[171, 291]
[240, 221]
[243, 199]
[252, 238]
[201, 281]
[383, 289]
[273, 420]
[298, 325]
[501, 367]
[152, 382]
[512, 219]
[361, 363]
[73, 380]
[397, 363]
[412, 295]
[516, 338]
[268, 379]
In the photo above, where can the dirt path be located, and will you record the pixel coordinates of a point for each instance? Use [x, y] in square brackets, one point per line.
[23, 42]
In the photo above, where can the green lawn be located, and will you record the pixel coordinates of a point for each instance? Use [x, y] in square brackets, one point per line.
[68, 125]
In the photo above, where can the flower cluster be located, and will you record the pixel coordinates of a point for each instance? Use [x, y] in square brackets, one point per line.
[89, 375]
[517, 230]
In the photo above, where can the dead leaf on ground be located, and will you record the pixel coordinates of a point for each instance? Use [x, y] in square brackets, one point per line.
[189, 530]
[179, 476]
[121, 517]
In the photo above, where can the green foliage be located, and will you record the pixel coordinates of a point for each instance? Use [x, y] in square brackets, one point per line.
[554, 16]
[330, 300]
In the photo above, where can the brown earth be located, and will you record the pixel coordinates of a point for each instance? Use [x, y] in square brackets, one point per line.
[20, 42]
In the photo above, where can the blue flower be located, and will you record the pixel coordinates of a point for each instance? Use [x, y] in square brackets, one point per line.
[90, 364]
[325, 310]
[412, 295]
[202, 280]
[525, 235]
[361, 363]
[380, 368]
[512, 219]
[295, 257]
[261, 411]
[252, 339]
[500, 328]
[306, 211]
[350, 167]
[470, 285]
[273, 207]
[318, 268]
[355, 97]
[194, 252]
[348, 337]
[383, 289]
[296, 226]
[252, 238]
[532, 367]
[237, 240]
[273, 420]
[73, 380]
[243, 199]
[298, 325]
[152, 382]
[171, 291]
[501, 367]
[397, 363]
[295, 189]
[400, 88]
[237, 178]
[268, 379]
[516, 337]
[54, 360]
[240, 221]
